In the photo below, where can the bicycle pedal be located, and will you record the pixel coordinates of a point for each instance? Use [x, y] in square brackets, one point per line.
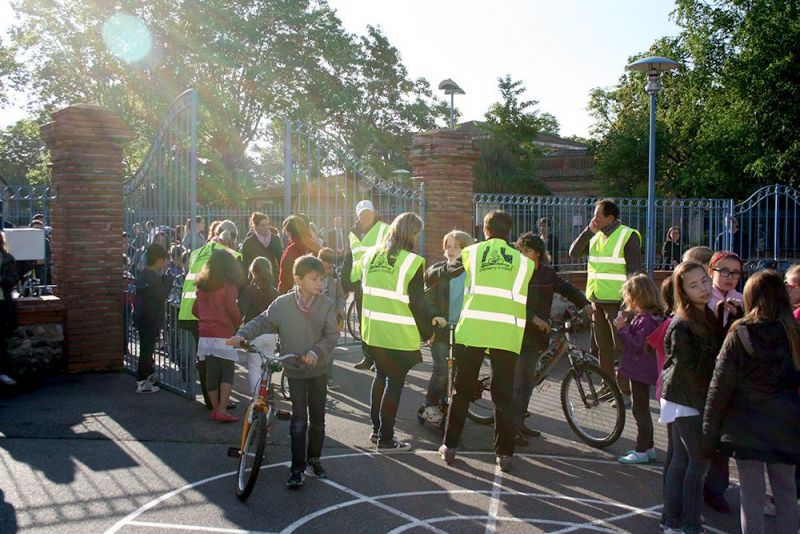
[283, 415]
[233, 452]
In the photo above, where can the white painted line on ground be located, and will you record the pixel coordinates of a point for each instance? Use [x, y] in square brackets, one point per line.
[129, 519]
[494, 500]
[504, 518]
[196, 528]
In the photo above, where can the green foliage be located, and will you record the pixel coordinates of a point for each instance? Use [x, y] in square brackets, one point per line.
[727, 120]
[251, 61]
[23, 157]
[508, 154]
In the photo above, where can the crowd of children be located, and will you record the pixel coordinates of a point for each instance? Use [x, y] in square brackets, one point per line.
[725, 364]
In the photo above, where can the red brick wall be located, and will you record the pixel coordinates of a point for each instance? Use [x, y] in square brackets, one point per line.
[85, 143]
[443, 161]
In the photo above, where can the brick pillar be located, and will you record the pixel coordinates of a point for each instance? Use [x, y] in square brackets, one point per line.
[85, 143]
[443, 161]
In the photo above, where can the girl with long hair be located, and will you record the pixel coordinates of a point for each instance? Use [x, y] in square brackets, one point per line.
[300, 243]
[217, 290]
[393, 344]
[753, 407]
[691, 346]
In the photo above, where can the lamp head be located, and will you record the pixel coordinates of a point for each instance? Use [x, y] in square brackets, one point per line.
[450, 87]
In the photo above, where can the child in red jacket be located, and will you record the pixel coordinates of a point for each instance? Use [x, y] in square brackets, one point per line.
[219, 318]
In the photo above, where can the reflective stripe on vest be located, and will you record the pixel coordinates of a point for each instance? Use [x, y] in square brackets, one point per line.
[197, 259]
[358, 247]
[495, 295]
[606, 270]
[386, 319]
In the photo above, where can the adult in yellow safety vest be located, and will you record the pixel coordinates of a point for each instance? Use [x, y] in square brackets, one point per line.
[492, 322]
[394, 320]
[226, 240]
[614, 253]
[368, 232]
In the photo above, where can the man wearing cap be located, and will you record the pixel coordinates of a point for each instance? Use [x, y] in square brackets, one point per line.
[365, 234]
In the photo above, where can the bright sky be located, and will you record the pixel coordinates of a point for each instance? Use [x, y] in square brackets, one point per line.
[559, 49]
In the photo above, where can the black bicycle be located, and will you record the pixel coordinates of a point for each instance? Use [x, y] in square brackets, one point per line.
[354, 320]
[590, 399]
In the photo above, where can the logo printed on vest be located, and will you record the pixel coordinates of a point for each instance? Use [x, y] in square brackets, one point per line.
[493, 259]
[382, 263]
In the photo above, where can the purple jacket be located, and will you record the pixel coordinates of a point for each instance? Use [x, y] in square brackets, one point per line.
[637, 362]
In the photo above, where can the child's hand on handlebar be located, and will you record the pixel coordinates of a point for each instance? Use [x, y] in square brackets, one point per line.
[235, 341]
[309, 359]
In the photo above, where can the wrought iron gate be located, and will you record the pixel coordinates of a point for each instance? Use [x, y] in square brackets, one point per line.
[159, 199]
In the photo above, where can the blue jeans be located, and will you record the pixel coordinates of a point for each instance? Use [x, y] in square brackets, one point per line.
[437, 385]
[683, 494]
[308, 415]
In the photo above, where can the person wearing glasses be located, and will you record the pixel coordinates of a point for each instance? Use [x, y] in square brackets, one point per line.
[725, 270]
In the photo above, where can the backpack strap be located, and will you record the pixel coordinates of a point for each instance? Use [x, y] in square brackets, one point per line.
[744, 338]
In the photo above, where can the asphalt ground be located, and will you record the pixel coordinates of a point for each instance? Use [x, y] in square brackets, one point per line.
[84, 453]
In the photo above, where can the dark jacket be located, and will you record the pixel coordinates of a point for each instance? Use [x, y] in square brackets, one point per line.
[8, 279]
[152, 290]
[670, 252]
[543, 284]
[252, 249]
[690, 362]
[753, 406]
[437, 299]
[254, 299]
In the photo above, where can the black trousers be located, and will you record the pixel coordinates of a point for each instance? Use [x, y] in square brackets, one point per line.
[147, 345]
[468, 365]
[308, 419]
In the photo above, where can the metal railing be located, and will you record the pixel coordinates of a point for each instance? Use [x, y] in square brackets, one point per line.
[769, 222]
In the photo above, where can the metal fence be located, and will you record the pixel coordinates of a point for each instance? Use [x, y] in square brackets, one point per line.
[768, 222]
[19, 203]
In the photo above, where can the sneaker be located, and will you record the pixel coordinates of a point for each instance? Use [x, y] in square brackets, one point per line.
[153, 379]
[448, 454]
[433, 414]
[395, 444]
[7, 380]
[374, 438]
[634, 457]
[314, 468]
[521, 441]
[504, 461]
[673, 530]
[651, 453]
[332, 386]
[145, 386]
[530, 432]
[364, 365]
[295, 480]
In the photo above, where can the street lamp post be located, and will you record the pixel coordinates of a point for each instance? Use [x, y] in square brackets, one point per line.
[451, 88]
[653, 66]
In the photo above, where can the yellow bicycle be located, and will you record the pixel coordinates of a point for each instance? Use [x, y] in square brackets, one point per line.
[262, 412]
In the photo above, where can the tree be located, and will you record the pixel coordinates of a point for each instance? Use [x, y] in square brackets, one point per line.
[726, 120]
[251, 62]
[508, 154]
[23, 156]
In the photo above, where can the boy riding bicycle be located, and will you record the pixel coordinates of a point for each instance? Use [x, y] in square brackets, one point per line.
[305, 320]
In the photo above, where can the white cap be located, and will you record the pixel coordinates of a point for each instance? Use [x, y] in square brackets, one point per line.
[364, 205]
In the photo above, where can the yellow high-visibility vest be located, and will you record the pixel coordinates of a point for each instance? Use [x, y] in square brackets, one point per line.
[606, 271]
[358, 247]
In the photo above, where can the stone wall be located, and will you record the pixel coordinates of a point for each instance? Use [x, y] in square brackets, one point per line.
[36, 347]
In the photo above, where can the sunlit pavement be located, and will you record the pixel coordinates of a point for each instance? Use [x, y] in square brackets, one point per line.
[85, 453]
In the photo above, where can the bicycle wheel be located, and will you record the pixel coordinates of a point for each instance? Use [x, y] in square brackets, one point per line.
[354, 321]
[481, 409]
[592, 404]
[252, 456]
[285, 393]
